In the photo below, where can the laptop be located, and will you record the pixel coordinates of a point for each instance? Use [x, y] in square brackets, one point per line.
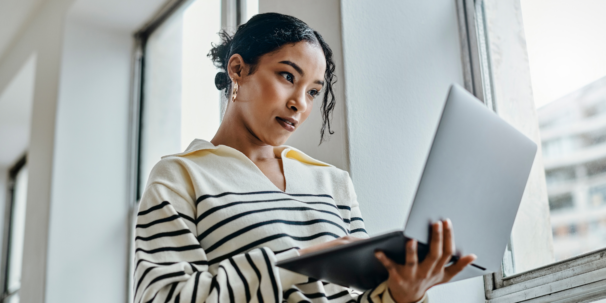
[475, 175]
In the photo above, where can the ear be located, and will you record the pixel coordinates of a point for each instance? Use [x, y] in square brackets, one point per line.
[235, 66]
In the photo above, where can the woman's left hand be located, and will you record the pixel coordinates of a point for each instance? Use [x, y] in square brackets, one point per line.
[408, 283]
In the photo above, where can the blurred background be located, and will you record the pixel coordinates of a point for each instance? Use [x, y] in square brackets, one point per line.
[94, 92]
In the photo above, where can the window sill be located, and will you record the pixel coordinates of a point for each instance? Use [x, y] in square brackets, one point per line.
[581, 279]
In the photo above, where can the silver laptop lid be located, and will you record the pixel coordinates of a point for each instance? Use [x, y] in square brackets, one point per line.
[475, 175]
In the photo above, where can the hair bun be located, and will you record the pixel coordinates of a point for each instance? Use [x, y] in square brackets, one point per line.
[222, 80]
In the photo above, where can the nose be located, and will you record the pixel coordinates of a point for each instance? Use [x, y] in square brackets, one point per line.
[297, 102]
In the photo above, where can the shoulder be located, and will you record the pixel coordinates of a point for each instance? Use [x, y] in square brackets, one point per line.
[179, 167]
[170, 174]
[175, 171]
[168, 170]
[326, 176]
[314, 164]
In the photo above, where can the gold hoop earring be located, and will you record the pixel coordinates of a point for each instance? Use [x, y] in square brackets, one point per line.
[234, 93]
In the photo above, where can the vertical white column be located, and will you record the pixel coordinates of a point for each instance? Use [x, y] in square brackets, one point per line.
[88, 230]
[43, 36]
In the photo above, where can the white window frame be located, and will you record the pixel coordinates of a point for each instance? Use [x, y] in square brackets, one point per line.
[580, 279]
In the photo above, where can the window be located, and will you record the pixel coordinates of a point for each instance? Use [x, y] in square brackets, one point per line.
[597, 197]
[596, 168]
[15, 232]
[540, 66]
[558, 146]
[179, 98]
[560, 176]
[559, 202]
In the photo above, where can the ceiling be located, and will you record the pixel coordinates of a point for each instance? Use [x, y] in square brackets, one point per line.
[123, 15]
[119, 14]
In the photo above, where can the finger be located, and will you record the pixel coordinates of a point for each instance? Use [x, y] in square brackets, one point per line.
[390, 265]
[412, 259]
[448, 244]
[456, 268]
[346, 240]
[354, 238]
[325, 245]
[435, 247]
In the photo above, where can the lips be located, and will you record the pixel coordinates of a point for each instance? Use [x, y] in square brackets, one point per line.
[288, 123]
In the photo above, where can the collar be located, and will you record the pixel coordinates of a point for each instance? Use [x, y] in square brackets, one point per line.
[284, 151]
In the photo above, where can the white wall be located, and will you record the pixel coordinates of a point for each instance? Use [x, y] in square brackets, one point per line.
[88, 232]
[400, 58]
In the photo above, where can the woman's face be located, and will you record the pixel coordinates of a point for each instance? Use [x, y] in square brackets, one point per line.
[278, 97]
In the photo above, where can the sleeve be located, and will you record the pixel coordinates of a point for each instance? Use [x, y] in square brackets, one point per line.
[357, 229]
[171, 266]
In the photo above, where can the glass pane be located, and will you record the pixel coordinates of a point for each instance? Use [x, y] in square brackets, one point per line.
[180, 100]
[566, 49]
[17, 229]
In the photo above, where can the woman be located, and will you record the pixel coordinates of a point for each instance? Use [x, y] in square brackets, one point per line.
[214, 219]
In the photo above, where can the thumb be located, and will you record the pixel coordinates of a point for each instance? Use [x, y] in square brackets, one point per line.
[387, 262]
[456, 268]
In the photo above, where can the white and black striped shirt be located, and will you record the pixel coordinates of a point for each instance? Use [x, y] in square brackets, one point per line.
[211, 226]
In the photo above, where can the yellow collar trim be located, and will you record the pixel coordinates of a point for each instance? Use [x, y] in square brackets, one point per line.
[284, 151]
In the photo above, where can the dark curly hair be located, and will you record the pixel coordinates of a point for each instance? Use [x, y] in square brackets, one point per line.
[266, 33]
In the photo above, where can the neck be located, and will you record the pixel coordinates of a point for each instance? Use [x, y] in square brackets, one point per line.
[233, 133]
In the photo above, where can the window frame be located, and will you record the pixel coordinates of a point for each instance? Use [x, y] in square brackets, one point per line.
[8, 227]
[579, 279]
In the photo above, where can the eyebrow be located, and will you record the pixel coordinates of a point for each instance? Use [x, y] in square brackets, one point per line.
[299, 70]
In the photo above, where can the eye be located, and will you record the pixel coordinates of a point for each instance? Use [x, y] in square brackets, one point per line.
[288, 76]
[314, 93]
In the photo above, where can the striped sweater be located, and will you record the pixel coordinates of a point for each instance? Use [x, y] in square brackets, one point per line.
[211, 226]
